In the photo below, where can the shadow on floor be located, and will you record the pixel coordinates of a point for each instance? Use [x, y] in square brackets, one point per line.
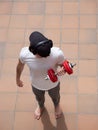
[47, 125]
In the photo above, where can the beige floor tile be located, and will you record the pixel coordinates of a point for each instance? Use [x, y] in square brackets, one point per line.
[71, 1]
[3, 35]
[87, 85]
[87, 36]
[55, 7]
[70, 21]
[70, 7]
[37, 7]
[88, 7]
[52, 22]
[84, 21]
[7, 101]
[25, 102]
[20, 7]
[9, 66]
[2, 49]
[16, 36]
[18, 21]
[4, 20]
[0, 68]
[24, 121]
[97, 7]
[87, 104]
[21, 0]
[13, 50]
[38, 21]
[69, 103]
[88, 51]
[8, 84]
[87, 68]
[68, 85]
[71, 121]
[6, 120]
[5, 7]
[53, 34]
[70, 36]
[70, 50]
[38, 124]
[87, 122]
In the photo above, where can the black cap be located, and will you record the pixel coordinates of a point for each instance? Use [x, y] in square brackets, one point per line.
[36, 37]
[39, 44]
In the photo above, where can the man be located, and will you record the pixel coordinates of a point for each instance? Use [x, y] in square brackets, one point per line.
[40, 56]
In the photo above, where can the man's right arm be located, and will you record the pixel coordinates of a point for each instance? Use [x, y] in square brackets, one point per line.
[19, 69]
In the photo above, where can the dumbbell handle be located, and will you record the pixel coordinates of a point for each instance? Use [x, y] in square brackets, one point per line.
[47, 77]
[72, 64]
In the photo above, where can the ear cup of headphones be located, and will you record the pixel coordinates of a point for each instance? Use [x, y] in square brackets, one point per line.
[32, 50]
[50, 43]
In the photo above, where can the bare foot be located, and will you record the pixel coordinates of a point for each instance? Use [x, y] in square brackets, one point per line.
[58, 111]
[38, 112]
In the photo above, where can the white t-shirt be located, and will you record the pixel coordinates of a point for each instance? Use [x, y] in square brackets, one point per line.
[39, 66]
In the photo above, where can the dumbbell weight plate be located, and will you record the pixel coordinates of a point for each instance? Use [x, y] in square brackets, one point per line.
[67, 67]
[52, 75]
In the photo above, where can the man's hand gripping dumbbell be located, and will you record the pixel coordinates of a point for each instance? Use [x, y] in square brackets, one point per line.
[66, 67]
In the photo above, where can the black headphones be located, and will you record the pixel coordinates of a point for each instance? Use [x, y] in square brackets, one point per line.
[33, 49]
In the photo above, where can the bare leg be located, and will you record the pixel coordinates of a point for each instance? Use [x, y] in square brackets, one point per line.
[38, 112]
[55, 96]
[58, 111]
[40, 99]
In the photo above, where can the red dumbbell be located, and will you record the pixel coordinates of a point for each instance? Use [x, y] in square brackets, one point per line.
[67, 68]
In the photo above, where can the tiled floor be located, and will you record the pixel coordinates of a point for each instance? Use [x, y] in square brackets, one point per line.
[73, 26]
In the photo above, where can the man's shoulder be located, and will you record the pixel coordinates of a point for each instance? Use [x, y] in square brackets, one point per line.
[24, 49]
[55, 50]
[24, 52]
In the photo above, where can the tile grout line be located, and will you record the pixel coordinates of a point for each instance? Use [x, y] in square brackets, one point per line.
[25, 29]
[61, 19]
[13, 115]
[97, 54]
[97, 48]
[17, 89]
[44, 18]
[7, 29]
[14, 111]
[78, 65]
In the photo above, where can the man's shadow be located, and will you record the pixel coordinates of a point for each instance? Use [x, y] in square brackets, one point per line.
[47, 125]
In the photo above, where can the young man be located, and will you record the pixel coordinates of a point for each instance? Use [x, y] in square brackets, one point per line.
[40, 56]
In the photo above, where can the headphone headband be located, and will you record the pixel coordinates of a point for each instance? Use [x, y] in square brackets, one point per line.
[34, 49]
[41, 43]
